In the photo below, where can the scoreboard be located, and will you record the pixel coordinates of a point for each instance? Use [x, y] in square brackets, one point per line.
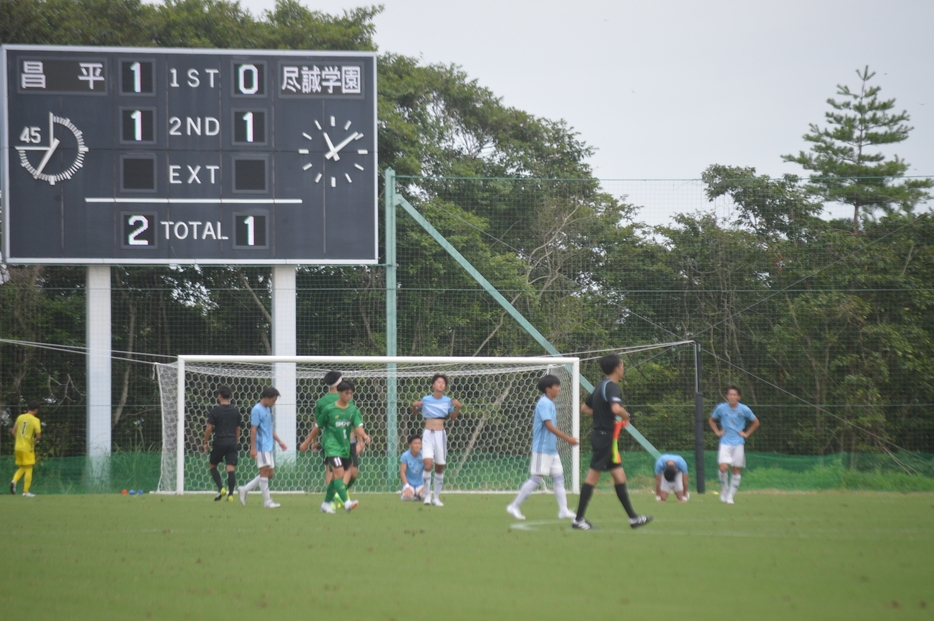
[177, 156]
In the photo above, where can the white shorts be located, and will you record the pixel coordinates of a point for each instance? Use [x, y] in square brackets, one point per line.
[418, 492]
[733, 454]
[265, 459]
[546, 465]
[675, 486]
[435, 445]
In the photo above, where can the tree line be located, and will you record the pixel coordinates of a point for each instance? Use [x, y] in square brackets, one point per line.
[826, 323]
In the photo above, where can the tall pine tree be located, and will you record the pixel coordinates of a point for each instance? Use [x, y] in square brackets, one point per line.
[847, 167]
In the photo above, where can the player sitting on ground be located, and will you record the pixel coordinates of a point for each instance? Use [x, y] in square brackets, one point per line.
[27, 430]
[671, 475]
[436, 408]
[411, 469]
[337, 421]
[262, 436]
[605, 404]
[224, 422]
[545, 459]
[733, 417]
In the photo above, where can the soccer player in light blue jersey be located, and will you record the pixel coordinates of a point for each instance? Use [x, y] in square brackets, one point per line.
[262, 438]
[436, 408]
[545, 459]
[411, 470]
[671, 475]
[733, 417]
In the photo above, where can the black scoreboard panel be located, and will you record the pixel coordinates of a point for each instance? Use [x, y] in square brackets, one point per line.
[155, 156]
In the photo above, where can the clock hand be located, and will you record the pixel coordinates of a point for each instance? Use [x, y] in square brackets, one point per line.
[48, 155]
[334, 150]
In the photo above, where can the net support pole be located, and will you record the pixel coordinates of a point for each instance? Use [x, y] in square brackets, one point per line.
[507, 306]
[392, 389]
[698, 421]
[99, 330]
[180, 430]
[283, 344]
[576, 428]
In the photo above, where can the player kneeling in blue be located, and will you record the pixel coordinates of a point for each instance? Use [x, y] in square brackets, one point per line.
[671, 475]
[545, 459]
[411, 469]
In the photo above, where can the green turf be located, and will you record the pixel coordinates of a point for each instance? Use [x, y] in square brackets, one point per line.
[828, 555]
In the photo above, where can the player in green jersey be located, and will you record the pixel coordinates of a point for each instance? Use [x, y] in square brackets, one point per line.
[331, 380]
[337, 422]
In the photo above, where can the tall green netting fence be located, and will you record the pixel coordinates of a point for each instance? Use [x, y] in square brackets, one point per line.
[829, 331]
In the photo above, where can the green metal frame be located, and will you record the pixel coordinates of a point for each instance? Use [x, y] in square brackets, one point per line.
[393, 200]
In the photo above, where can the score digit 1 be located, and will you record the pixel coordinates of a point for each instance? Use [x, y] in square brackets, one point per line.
[250, 230]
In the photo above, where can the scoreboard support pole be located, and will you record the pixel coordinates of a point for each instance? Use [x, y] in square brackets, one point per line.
[283, 344]
[99, 400]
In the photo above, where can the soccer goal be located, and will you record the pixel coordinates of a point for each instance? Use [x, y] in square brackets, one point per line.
[489, 444]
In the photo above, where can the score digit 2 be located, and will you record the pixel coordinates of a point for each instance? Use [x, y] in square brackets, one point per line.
[138, 230]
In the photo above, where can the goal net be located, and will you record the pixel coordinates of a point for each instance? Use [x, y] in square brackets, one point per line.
[489, 444]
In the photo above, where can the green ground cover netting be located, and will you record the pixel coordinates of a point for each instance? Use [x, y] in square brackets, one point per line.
[906, 472]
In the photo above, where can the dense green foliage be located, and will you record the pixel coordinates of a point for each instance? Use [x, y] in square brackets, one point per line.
[829, 331]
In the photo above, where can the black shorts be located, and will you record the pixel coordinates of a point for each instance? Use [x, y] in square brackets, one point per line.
[602, 458]
[225, 451]
[353, 457]
[338, 462]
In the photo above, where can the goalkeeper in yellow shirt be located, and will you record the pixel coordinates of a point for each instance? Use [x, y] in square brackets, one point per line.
[26, 431]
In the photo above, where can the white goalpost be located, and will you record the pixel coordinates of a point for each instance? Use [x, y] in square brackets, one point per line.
[489, 444]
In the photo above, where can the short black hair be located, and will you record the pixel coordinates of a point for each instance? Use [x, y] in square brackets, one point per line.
[609, 363]
[442, 376]
[547, 381]
[269, 392]
[732, 387]
[332, 377]
[345, 385]
[414, 437]
[32, 406]
[223, 391]
[670, 473]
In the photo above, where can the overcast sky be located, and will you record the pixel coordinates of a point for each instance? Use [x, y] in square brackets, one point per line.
[664, 89]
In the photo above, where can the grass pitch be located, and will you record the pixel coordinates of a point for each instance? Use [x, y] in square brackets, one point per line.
[770, 556]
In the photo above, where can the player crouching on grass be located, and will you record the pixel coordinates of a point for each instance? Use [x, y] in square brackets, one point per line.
[436, 408]
[671, 475]
[337, 421]
[262, 435]
[733, 417]
[411, 470]
[27, 430]
[224, 423]
[545, 459]
[605, 404]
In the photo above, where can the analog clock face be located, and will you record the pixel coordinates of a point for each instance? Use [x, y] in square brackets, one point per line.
[345, 155]
[36, 155]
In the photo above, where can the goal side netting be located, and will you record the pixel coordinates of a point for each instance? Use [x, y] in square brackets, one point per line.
[489, 444]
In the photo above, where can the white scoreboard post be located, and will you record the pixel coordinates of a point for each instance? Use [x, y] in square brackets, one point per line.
[146, 156]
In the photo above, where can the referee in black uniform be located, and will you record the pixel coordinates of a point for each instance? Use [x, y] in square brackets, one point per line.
[605, 403]
[224, 420]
